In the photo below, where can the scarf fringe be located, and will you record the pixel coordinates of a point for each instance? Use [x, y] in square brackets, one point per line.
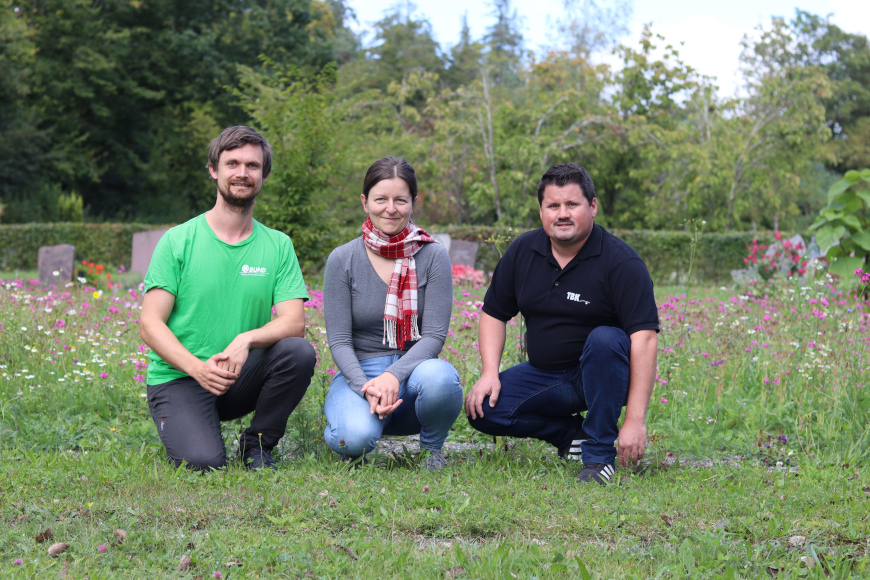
[391, 332]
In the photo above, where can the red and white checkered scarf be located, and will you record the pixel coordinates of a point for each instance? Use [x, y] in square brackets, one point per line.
[400, 312]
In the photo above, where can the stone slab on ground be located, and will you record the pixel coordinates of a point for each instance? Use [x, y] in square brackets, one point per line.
[56, 264]
[143, 248]
[463, 253]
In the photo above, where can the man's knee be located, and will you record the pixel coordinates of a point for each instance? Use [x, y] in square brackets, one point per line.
[296, 351]
[198, 461]
[608, 338]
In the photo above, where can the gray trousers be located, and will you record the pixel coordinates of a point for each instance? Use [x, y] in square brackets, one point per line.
[271, 384]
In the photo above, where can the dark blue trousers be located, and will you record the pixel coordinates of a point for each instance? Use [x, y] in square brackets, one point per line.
[543, 404]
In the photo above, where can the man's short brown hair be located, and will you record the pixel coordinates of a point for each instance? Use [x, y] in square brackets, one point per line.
[235, 137]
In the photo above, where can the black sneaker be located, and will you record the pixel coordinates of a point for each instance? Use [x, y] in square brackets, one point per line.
[572, 452]
[255, 459]
[598, 472]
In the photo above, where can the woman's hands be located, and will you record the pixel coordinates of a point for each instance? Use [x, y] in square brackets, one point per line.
[382, 393]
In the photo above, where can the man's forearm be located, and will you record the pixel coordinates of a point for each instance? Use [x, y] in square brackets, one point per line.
[642, 368]
[491, 339]
[275, 330]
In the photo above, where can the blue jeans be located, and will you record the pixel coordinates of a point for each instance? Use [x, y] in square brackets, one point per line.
[541, 404]
[431, 401]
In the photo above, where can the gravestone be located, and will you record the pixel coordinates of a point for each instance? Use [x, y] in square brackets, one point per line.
[143, 248]
[56, 264]
[443, 239]
[464, 253]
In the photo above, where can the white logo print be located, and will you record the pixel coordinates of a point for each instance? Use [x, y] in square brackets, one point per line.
[253, 270]
[576, 298]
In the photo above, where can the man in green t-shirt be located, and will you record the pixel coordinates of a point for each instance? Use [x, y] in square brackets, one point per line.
[217, 353]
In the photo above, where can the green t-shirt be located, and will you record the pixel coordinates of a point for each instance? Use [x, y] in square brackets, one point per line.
[221, 290]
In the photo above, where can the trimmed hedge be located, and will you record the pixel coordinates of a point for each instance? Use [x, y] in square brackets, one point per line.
[108, 244]
[665, 253]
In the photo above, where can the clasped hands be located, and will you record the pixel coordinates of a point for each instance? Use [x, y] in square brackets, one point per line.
[382, 393]
[221, 371]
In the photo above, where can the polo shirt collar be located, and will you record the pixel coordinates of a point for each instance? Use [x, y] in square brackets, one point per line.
[591, 248]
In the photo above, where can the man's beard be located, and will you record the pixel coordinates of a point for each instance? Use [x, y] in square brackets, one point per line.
[235, 202]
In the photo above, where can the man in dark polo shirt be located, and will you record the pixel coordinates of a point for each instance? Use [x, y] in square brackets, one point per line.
[591, 318]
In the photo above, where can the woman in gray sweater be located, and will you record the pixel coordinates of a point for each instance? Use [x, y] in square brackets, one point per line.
[387, 299]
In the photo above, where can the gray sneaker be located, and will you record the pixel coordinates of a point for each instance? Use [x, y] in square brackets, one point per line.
[435, 461]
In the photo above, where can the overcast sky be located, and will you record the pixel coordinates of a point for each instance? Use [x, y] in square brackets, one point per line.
[711, 31]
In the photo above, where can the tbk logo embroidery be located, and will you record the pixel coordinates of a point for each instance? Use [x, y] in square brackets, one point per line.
[576, 298]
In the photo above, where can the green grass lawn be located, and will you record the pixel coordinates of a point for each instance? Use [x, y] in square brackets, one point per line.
[756, 466]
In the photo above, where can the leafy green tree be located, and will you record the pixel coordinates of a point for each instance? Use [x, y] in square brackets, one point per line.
[845, 58]
[294, 111]
[120, 88]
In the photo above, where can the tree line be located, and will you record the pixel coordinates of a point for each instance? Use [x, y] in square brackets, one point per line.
[117, 100]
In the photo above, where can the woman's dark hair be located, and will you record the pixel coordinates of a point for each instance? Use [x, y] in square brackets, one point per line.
[562, 175]
[390, 168]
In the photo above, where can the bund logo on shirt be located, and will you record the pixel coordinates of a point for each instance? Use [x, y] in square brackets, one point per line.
[576, 298]
[253, 271]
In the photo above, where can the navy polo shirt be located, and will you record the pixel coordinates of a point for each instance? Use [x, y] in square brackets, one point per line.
[605, 284]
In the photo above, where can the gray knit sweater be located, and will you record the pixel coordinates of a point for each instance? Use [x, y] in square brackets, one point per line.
[353, 302]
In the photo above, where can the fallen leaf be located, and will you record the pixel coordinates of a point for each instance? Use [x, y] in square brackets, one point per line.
[84, 478]
[44, 536]
[57, 549]
[64, 573]
[457, 571]
[795, 541]
[323, 493]
[235, 563]
[666, 519]
[808, 560]
[383, 490]
[773, 571]
[121, 535]
[20, 518]
[866, 490]
[185, 563]
[345, 549]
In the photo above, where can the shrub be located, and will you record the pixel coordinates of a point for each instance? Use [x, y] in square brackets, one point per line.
[110, 244]
[467, 276]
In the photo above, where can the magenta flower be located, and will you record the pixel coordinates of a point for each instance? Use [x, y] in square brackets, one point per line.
[101, 547]
[103, 375]
[664, 400]
[139, 378]
[217, 575]
[18, 561]
[425, 488]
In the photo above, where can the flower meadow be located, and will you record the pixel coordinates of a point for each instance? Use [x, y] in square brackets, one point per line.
[779, 369]
[757, 426]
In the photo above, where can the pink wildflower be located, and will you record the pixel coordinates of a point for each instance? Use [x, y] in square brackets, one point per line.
[139, 378]
[104, 375]
[101, 547]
